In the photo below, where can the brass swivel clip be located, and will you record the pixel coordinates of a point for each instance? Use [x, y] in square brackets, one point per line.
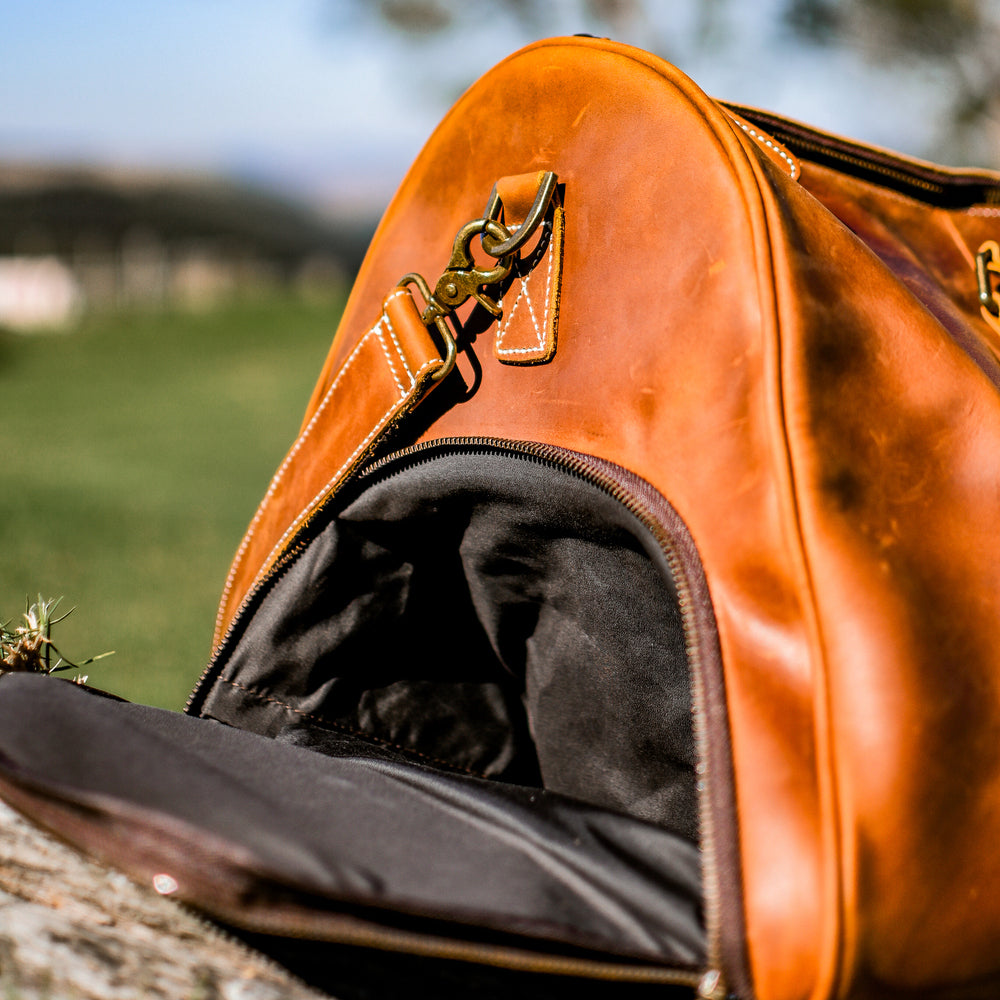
[988, 276]
[987, 267]
[463, 278]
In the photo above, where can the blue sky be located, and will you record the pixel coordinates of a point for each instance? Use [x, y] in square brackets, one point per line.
[188, 81]
[314, 95]
[249, 85]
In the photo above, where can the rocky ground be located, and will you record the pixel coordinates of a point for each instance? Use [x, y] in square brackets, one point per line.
[73, 930]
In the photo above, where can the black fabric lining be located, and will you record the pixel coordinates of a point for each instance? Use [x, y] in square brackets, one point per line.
[529, 866]
[475, 612]
[491, 612]
[294, 735]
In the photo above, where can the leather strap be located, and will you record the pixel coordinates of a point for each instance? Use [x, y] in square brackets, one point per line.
[390, 370]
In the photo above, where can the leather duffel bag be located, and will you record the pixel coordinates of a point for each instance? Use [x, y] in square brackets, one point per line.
[626, 615]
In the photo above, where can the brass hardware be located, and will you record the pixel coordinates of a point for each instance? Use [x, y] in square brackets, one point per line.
[464, 279]
[431, 315]
[546, 189]
[988, 263]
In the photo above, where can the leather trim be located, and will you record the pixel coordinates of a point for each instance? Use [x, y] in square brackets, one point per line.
[389, 370]
[775, 151]
[526, 334]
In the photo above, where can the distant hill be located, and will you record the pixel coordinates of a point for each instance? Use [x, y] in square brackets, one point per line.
[143, 236]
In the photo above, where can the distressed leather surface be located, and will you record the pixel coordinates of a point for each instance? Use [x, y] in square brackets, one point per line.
[796, 360]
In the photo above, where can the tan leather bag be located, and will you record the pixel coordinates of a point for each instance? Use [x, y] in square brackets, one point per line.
[776, 350]
[782, 333]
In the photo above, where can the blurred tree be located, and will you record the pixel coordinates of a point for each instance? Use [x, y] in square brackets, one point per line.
[426, 19]
[942, 57]
[955, 41]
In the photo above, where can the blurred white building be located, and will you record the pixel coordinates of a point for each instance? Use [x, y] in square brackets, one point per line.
[86, 237]
[38, 293]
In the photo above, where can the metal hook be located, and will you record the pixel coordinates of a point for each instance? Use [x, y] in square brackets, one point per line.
[546, 189]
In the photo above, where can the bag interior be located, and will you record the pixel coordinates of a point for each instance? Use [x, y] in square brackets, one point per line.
[462, 708]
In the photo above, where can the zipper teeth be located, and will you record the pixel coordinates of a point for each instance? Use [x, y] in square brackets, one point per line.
[801, 140]
[426, 946]
[260, 958]
[280, 564]
[578, 466]
[899, 173]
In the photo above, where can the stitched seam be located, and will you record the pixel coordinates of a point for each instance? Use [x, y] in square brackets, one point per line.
[293, 527]
[539, 329]
[505, 327]
[279, 475]
[343, 727]
[832, 960]
[304, 513]
[388, 357]
[548, 286]
[539, 332]
[764, 141]
[395, 340]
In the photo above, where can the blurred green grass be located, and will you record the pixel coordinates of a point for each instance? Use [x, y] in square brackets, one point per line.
[134, 452]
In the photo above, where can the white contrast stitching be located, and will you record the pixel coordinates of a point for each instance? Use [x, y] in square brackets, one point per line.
[392, 333]
[435, 362]
[388, 356]
[304, 513]
[765, 141]
[539, 329]
[293, 527]
[279, 475]
[522, 293]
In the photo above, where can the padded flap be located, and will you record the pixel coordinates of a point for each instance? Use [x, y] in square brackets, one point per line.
[236, 819]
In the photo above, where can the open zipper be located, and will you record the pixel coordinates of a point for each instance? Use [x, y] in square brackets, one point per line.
[712, 749]
[253, 956]
[916, 179]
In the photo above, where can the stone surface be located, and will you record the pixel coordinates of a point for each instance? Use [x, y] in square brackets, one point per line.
[71, 929]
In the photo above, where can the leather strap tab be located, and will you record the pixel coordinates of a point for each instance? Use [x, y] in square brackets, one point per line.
[526, 334]
[517, 193]
[389, 371]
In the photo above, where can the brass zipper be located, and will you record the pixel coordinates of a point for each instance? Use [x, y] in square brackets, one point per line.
[258, 958]
[951, 189]
[710, 983]
[855, 159]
